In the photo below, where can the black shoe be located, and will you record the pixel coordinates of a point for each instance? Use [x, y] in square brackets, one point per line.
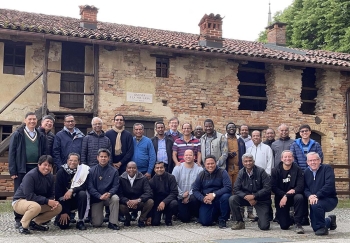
[333, 222]
[141, 224]
[23, 230]
[322, 231]
[106, 218]
[222, 224]
[133, 217]
[121, 218]
[113, 226]
[35, 226]
[275, 220]
[47, 222]
[87, 220]
[126, 223]
[72, 220]
[80, 225]
[17, 224]
[169, 223]
[305, 222]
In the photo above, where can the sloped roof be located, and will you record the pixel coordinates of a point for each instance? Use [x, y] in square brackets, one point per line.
[66, 26]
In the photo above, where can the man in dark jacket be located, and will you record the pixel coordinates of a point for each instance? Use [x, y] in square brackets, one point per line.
[27, 144]
[163, 146]
[287, 183]
[68, 140]
[103, 185]
[70, 191]
[270, 136]
[321, 192]
[165, 193]
[34, 198]
[135, 194]
[252, 188]
[122, 144]
[212, 188]
[94, 141]
[45, 128]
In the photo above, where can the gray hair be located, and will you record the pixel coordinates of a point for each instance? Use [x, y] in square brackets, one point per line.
[96, 118]
[286, 151]
[247, 155]
[138, 124]
[312, 153]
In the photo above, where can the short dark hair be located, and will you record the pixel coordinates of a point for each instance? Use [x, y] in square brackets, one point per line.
[45, 158]
[159, 123]
[49, 117]
[74, 154]
[209, 156]
[159, 162]
[29, 114]
[305, 126]
[138, 124]
[104, 150]
[230, 123]
[209, 120]
[119, 115]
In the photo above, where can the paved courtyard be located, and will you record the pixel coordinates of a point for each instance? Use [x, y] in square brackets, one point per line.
[180, 232]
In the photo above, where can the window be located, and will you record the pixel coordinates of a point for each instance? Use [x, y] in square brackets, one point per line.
[308, 91]
[5, 131]
[252, 87]
[162, 67]
[14, 58]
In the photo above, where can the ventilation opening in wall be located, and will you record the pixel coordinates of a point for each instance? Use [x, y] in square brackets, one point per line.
[252, 87]
[308, 91]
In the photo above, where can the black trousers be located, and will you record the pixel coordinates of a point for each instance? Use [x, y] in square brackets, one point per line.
[78, 201]
[169, 211]
[282, 214]
[262, 209]
[186, 211]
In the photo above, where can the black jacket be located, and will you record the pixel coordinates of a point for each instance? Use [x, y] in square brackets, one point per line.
[164, 188]
[296, 180]
[169, 150]
[140, 189]
[50, 137]
[36, 187]
[62, 185]
[90, 146]
[17, 151]
[258, 184]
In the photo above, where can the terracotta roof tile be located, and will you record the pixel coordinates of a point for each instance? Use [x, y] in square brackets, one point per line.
[66, 26]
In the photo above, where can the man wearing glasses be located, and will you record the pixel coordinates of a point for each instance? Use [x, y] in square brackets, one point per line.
[304, 145]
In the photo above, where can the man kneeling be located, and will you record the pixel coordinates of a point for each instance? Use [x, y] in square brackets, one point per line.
[252, 188]
[34, 197]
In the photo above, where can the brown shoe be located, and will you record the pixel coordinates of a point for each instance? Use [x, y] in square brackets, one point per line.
[251, 216]
[238, 225]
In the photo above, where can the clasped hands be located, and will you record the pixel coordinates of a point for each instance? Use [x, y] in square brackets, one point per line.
[132, 203]
[313, 199]
[250, 199]
[208, 198]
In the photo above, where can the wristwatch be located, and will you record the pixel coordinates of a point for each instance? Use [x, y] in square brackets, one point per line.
[139, 200]
[214, 195]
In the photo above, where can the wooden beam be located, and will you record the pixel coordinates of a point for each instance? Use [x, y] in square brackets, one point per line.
[45, 68]
[96, 78]
[309, 101]
[252, 97]
[252, 84]
[70, 93]
[4, 145]
[340, 166]
[70, 72]
[21, 92]
[252, 70]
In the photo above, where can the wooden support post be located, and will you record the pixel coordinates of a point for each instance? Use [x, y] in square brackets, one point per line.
[96, 79]
[45, 67]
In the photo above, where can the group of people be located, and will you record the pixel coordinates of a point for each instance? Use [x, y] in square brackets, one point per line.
[197, 174]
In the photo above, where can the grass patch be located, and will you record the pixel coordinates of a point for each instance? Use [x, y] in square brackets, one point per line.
[5, 206]
[343, 203]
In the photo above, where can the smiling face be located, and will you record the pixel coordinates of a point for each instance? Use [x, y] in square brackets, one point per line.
[119, 122]
[69, 123]
[305, 133]
[287, 158]
[210, 165]
[103, 158]
[198, 132]
[314, 161]
[31, 121]
[209, 128]
[131, 169]
[47, 124]
[138, 131]
[173, 125]
[188, 156]
[97, 125]
[73, 162]
[270, 134]
[256, 137]
[45, 168]
[248, 163]
[159, 169]
[284, 131]
[160, 129]
[231, 129]
[244, 131]
[186, 129]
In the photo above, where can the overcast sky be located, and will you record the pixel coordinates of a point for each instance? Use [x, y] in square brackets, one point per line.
[243, 19]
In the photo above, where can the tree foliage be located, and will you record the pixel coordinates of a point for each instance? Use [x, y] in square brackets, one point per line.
[316, 24]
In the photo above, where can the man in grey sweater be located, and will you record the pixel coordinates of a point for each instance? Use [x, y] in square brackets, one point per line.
[283, 143]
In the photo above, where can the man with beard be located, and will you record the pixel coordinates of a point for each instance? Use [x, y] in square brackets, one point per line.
[163, 146]
[270, 136]
[283, 143]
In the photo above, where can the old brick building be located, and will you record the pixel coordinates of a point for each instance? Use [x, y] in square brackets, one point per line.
[87, 68]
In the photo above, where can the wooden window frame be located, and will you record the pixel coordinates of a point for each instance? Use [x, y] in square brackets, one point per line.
[162, 67]
[17, 67]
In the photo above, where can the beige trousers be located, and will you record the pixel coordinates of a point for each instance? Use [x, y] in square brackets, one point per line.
[31, 210]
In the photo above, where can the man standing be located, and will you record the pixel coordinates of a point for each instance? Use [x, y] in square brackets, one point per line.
[187, 141]
[122, 144]
[185, 175]
[252, 188]
[287, 183]
[45, 128]
[214, 143]
[270, 136]
[68, 140]
[135, 194]
[173, 133]
[94, 141]
[304, 145]
[198, 132]
[70, 191]
[212, 188]
[283, 143]
[34, 198]
[236, 148]
[144, 155]
[163, 146]
[321, 192]
[244, 132]
[261, 152]
[27, 144]
[103, 185]
[165, 193]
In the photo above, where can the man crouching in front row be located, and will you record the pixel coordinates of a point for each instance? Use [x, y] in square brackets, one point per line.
[252, 188]
[35, 196]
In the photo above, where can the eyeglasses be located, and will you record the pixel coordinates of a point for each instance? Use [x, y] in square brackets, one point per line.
[303, 131]
[69, 121]
[119, 120]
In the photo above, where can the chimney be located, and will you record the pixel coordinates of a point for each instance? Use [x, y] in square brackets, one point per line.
[276, 33]
[88, 14]
[211, 31]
